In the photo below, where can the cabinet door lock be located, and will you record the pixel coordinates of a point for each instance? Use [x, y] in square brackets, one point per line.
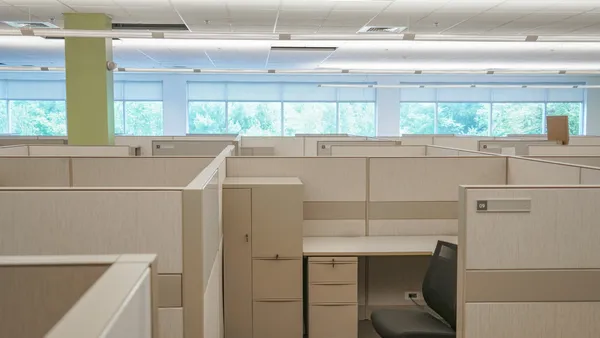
[246, 237]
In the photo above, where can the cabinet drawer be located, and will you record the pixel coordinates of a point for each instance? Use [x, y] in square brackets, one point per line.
[277, 279]
[333, 270]
[333, 293]
[333, 321]
[277, 319]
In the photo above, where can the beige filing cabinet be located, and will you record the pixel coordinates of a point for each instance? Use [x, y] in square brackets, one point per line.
[262, 243]
[332, 297]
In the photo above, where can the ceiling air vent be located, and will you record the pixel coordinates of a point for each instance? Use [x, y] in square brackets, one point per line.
[381, 30]
[150, 26]
[30, 24]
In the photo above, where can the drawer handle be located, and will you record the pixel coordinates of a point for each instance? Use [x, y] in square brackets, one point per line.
[246, 238]
[333, 262]
[277, 256]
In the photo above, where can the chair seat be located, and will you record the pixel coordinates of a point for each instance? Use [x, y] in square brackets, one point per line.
[409, 323]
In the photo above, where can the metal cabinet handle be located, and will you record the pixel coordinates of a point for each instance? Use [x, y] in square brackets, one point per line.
[277, 256]
[333, 262]
[246, 237]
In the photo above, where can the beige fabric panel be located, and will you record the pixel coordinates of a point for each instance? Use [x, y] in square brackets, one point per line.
[442, 152]
[590, 176]
[519, 286]
[431, 179]
[34, 172]
[413, 227]
[193, 263]
[529, 172]
[282, 146]
[189, 148]
[560, 231]
[413, 210]
[334, 228]
[560, 150]
[93, 222]
[65, 150]
[14, 151]
[321, 177]
[528, 320]
[463, 142]
[169, 291]
[389, 278]
[213, 301]
[170, 323]
[35, 298]
[592, 161]
[137, 171]
[311, 142]
[211, 230]
[377, 150]
[334, 210]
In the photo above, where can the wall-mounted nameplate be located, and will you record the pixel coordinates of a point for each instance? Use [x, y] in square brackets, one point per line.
[504, 205]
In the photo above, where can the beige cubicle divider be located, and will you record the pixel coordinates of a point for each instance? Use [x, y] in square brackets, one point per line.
[20, 140]
[16, 150]
[375, 150]
[521, 146]
[311, 143]
[524, 171]
[324, 146]
[190, 147]
[590, 176]
[35, 172]
[460, 142]
[584, 140]
[66, 150]
[282, 146]
[135, 171]
[417, 140]
[78, 296]
[144, 142]
[564, 150]
[334, 189]
[528, 262]
[591, 161]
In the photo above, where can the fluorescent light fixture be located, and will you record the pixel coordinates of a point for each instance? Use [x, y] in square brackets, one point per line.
[429, 85]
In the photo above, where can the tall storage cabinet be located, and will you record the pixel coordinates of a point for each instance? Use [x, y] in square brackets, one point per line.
[262, 231]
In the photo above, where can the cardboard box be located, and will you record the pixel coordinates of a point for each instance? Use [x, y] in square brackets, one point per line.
[558, 128]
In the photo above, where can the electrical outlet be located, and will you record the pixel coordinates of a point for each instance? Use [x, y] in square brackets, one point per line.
[414, 295]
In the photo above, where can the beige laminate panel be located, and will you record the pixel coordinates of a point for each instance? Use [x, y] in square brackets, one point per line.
[532, 320]
[136, 171]
[34, 172]
[334, 210]
[93, 222]
[333, 321]
[213, 301]
[530, 172]
[339, 228]
[169, 291]
[560, 231]
[322, 178]
[373, 245]
[35, 298]
[339, 271]
[419, 227]
[277, 279]
[237, 254]
[431, 179]
[389, 278]
[532, 286]
[592, 161]
[283, 146]
[590, 176]
[375, 150]
[17, 150]
[277, 319]
[441, 152]
[66, 150]
[333, 293]
[560, 150]
[170, 323]
[211, 226]
[413, 210]
[277, 221]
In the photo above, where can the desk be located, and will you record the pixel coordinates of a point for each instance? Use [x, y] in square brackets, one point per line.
[372, 245]
[333, 278]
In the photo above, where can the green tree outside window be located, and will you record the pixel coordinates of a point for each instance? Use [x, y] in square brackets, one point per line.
[570, 109]
[357, 118]
[254, 118]
[3, 117]
[463, 118]
[206, 117]
[37, 118]
[517, 118]
[417, 118]
[144, 118]
[309, 117]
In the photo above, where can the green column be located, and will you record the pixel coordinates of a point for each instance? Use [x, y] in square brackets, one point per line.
[90, 101]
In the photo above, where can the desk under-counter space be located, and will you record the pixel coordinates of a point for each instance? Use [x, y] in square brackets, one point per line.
[372, 245]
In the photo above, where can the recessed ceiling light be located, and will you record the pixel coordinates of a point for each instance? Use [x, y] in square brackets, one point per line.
[381, 30]
[30, 24]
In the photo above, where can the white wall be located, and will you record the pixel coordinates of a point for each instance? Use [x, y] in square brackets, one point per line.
[388, 107]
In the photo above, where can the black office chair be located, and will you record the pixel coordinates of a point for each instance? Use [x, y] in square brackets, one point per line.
[439, 292]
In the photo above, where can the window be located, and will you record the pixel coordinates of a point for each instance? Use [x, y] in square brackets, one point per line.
[119, 118]
[3, 117]
[571, 109]
[254, 118]
[517, 118]
[207, 118]
[139, 118]
[309, 117]
[417, 118]
[463, 118]
[39, 118]
[357, 118]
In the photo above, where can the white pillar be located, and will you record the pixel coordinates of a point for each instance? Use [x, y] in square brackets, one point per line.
[174, 105]
[388, 108]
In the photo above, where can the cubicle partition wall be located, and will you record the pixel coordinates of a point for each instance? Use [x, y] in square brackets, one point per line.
[100, 171]
[181, 225]
[18, 140]
[521, 146]
[528, 262]
[564, 150]
[66, 150]
[78, 296]
[590, 161]
[190, 147]
[324, 146]
[15, 150]
[526, 171]
[376, 150]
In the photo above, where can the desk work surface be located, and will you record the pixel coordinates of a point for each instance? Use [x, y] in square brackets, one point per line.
[373, 245]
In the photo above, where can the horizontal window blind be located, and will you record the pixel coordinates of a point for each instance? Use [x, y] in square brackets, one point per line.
[138, 91]
[35, 90]
[308, 92]
[566, 95]
[238, 91]
[418, 94]
[207, 91]
[356, 94]
[491, 95]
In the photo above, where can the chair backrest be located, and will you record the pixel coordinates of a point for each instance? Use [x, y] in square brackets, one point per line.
[439, 285]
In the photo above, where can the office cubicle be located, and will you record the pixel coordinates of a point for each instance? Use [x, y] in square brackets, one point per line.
[100, 171]
[324, 146]
[66, 150]
[565, 150]
[181, 224]
[521, 146]
[190, 147]
[78, 296]
[591, 161]
[528, 262]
